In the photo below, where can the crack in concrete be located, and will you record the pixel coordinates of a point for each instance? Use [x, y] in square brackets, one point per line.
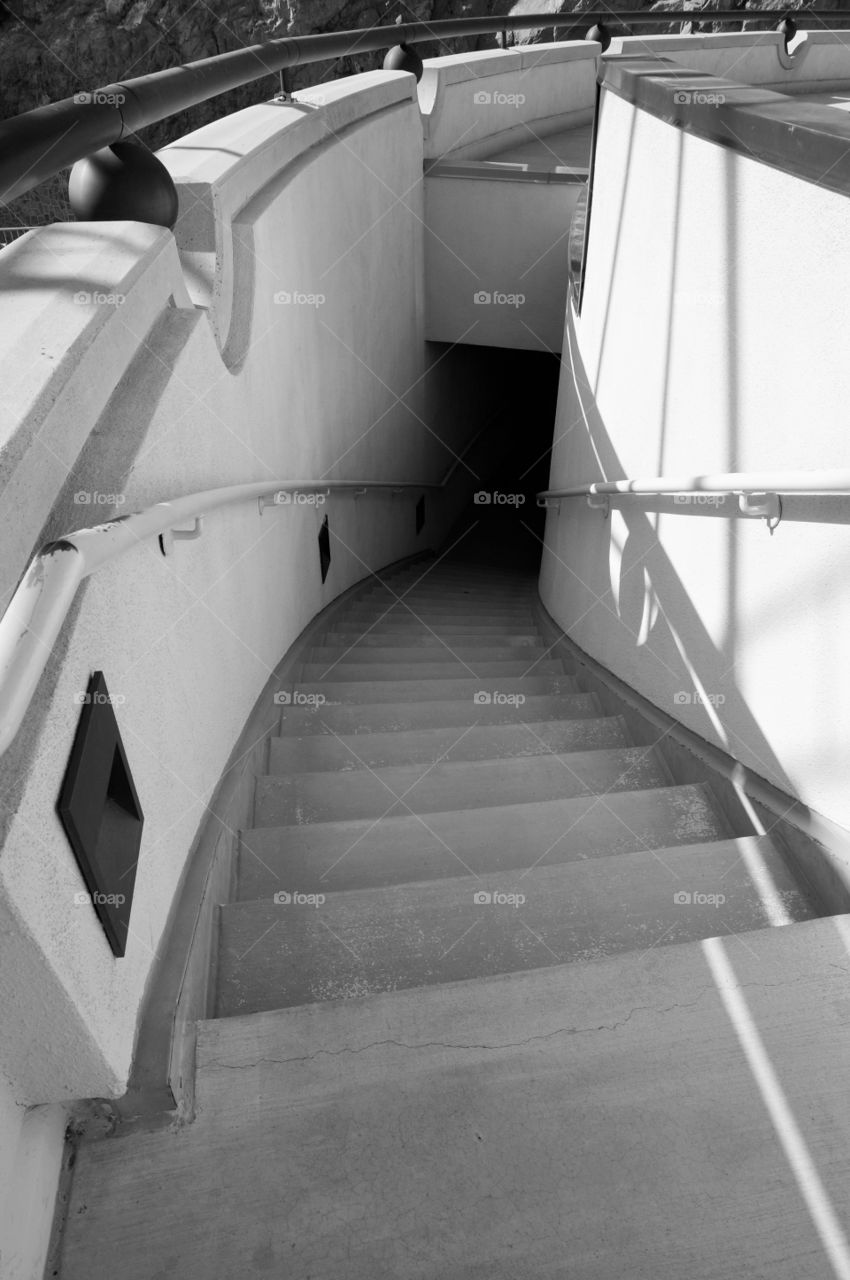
[508, 1044]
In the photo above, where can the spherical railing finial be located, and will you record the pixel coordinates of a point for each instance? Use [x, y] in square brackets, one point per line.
[124, 182]
[788, 28]
[600, 33]
[403, 58]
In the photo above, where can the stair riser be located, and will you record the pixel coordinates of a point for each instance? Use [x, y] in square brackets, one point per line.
[388, 718]
[435, 653]
[339, 856]
[382, 750]
[332, 797]
[463, 644]
[341, 670]
[333, 691]
[423, 934]
[411, 632]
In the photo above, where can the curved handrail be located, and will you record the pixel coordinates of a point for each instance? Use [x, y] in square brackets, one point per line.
[40, 143]
[791, 482]
[38, 609]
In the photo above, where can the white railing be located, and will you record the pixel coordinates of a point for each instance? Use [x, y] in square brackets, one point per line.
[32, 622]
[759, 493]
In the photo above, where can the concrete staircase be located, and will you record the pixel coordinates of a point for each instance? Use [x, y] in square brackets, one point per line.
[463, 809]
[463, 999]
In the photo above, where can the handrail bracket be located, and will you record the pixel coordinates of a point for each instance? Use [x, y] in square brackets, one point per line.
[767, 506]
[169, 536]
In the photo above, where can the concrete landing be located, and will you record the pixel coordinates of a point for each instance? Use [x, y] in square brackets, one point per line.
[595, 1123]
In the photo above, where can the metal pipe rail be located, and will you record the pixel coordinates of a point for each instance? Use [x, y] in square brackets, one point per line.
[40, 143]
[37, 611]
[758, 492]
[791, 482]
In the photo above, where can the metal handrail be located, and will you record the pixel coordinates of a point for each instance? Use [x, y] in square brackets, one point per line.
[42, 142]
[758, 492]
[791, 482]
[37, 611]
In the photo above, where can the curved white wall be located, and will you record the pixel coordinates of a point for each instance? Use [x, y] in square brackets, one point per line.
[156, 396]
[713, 337]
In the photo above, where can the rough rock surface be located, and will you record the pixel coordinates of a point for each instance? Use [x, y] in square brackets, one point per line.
[51, 49]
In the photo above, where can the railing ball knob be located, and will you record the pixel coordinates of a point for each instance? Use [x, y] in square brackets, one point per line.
[403, 58]
[788, 28]
[600, 33]
[124, 182]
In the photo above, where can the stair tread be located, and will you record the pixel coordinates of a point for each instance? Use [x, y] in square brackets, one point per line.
[434, 653]
[460, 687]
[374, 750]
[357, 853]
[357, 642]
[354, 717]
[275, 954]
[421, 669]
[426, 788]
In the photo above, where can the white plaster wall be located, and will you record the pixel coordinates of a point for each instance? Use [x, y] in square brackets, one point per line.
[475, 104]
[496, 260]
[713, 337]
[31, 1146]
[197, 396]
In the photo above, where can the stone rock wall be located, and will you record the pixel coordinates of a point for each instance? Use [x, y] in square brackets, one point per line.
[51, 49]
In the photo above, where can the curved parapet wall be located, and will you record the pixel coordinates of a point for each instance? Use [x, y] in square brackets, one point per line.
[813, 61]
[280, 334]
[476, 104]
[712, 338]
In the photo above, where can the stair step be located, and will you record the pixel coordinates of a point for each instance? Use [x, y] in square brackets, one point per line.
[410, 632]
[463, 613]
[275, 955]
[557, 1092]
[354, 718]
[463, 689]
[332, 856]
[469, 596]
[486, 742]
[301, 798]
[485, 643]
[481, 669]
[435, 653]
